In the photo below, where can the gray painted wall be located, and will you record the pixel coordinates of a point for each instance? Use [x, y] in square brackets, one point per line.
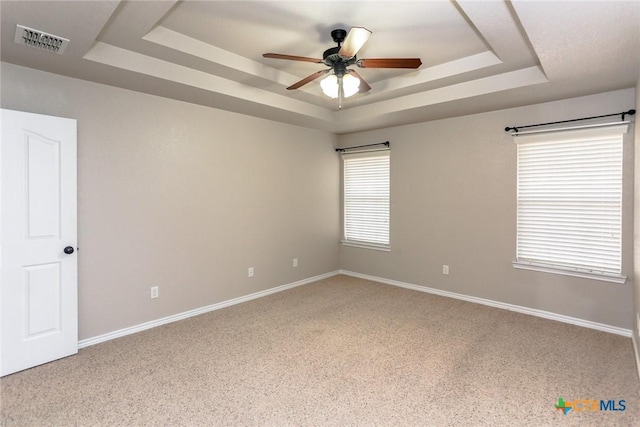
[186, 198]
[453, 201]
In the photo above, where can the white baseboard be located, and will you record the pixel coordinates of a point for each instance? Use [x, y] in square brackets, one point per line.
[520, 309]
[511, 307]
[636, 351]
[180, 316]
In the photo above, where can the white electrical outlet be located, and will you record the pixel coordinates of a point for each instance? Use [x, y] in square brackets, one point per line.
[155, 292]
[445, 269]
[250, 271]
[295, 262]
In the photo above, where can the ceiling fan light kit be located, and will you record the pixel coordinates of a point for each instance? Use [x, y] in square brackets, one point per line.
[330, 85]
[344, 82]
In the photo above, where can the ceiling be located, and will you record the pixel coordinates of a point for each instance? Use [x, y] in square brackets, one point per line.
[476, 55]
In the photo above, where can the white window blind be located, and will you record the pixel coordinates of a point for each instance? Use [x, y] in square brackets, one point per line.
[569, 213]
[366, 198]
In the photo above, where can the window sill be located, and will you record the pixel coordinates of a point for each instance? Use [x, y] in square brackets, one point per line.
[570, 272]
[365, 245]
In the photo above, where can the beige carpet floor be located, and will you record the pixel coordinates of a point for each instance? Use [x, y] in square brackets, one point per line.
[339, 352]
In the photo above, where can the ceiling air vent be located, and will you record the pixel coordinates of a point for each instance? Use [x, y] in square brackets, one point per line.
[39, 39]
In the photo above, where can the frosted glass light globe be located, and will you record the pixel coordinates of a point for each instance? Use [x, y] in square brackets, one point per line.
[329, 86]
[350, 85]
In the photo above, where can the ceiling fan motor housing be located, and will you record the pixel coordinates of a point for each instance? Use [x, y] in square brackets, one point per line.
[331, 56]
[339, 64]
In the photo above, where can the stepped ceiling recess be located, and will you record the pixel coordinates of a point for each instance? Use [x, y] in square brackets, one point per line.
[476, 55]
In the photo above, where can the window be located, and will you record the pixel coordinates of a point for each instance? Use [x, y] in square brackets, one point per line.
[569, 216]
[366, 199]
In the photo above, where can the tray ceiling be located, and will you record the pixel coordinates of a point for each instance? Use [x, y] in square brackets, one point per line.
[476, 56]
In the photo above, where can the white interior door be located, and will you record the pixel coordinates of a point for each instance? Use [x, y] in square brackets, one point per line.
[39, 278]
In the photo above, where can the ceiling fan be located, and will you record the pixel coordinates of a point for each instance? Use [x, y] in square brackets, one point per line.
[343, 82]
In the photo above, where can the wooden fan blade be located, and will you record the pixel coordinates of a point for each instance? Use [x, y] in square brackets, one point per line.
[308, 79]
[364, 86]
[389, 63]
[354, 41]
[292, 58]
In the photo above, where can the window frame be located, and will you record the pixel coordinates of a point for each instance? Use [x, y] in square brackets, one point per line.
[606, 133]
[362, 243]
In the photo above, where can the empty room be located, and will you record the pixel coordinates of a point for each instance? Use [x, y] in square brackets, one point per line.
[319, 213]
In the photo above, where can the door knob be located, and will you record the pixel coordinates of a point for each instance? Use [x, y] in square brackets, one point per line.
[68, 250]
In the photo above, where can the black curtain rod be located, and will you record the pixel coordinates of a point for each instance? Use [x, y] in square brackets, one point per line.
[342, 150]
[624, 113]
